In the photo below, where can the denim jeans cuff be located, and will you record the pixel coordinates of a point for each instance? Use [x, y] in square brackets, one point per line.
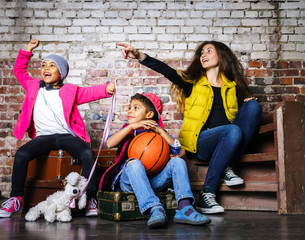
[186, 196]
[145, 208]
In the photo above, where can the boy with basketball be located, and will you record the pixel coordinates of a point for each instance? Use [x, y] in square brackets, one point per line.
[129, 175]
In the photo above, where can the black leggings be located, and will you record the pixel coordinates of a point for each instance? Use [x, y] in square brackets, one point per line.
[42, 145]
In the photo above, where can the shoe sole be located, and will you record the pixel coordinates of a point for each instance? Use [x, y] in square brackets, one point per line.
[233, 183]
[157, 223]
[7, 215]
[210, 211]
[91, 214]
[185, 221]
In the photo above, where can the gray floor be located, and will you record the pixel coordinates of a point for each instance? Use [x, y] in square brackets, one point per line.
[230, 225]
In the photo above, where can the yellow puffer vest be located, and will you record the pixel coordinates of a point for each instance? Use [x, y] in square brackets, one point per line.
[198, 107]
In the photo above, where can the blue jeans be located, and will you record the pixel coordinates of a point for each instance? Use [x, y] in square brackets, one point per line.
[134, 179]
[224, 145]
[42, 145]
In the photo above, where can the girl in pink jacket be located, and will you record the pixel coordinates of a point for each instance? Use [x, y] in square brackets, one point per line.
[50, 116]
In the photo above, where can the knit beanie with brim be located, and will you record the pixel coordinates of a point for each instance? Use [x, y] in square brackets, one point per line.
[61, 63]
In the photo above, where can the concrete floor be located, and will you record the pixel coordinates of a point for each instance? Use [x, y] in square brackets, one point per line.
[230, 225]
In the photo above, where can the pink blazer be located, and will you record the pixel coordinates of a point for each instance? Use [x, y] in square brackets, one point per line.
[71, 96]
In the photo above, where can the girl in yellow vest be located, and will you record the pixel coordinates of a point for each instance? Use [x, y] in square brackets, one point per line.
[220, 115]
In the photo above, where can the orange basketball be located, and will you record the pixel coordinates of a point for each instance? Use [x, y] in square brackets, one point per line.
[151, 149]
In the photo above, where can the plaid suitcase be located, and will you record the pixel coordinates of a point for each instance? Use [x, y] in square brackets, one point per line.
[120, 206]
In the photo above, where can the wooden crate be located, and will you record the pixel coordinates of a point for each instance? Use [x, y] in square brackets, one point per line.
[273, 167]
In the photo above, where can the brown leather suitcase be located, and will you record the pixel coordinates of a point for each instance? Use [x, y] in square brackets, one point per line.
[57, 165]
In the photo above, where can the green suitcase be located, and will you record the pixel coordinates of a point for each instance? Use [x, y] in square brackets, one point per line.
[120, 206]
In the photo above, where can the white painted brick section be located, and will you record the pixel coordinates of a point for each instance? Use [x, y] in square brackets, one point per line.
[160, 26]
[262, 6]
[156, 6]
[86, 22]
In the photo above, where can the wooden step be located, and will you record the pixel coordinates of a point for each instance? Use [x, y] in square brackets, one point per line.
[267, 128]
[259, 157]
[247, 187]
[257, 201]
[254, 157]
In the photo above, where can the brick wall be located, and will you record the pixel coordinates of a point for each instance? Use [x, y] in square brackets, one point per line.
[267, 36]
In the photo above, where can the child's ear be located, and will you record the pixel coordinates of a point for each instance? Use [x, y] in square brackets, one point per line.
[150, 115]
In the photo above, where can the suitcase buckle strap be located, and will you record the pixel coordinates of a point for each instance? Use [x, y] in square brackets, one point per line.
[129, 206]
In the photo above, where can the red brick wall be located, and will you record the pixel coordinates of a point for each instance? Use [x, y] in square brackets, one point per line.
[267, 36]
[270, 81]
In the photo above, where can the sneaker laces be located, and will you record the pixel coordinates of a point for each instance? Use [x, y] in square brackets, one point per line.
[92, 203]
[10, 202]
[209, 198]
[230, 174]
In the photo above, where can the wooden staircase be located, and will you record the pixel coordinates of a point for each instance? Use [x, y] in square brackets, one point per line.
[273, 167]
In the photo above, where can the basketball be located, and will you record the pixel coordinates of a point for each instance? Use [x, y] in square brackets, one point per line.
[151, 149]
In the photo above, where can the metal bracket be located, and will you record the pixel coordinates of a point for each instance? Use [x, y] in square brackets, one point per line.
[170, 202]
[75, 161]
[129, 206]
[60, 153]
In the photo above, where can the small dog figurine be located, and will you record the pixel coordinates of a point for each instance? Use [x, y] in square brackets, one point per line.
[57, 205]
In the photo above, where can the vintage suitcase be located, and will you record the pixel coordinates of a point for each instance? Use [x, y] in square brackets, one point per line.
[57, 165]
[46, 174]
[120, 206]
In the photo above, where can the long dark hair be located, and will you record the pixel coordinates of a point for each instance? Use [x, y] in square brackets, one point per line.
[229, 65]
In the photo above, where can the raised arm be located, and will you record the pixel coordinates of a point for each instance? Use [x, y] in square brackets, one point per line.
[129, 52]
[21, 64]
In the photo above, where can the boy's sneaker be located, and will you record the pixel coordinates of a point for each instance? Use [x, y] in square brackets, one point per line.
[189, 215]
[231, 179]
[157, 217]
[11, 206]
[91, 208]
[207, 203]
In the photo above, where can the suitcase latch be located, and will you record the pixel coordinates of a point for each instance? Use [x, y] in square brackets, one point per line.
[170, 202]
[75, 161]
[60, 153]
[129, 205]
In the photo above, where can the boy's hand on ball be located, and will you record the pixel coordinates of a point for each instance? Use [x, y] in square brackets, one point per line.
[144, 125]
[157, 129]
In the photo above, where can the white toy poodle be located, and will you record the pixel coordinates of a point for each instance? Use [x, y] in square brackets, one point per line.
[57, 205]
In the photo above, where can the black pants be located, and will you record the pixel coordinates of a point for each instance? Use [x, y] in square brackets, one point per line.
[42, 145]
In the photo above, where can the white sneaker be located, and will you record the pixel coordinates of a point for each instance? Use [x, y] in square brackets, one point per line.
[91, 208]
[231, 179]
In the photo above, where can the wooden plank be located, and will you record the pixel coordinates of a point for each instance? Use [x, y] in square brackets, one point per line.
[247, 187]
[259, 157]
[258, 201]
[290, 118]
[266, 118]
[270, 127]
[253, 157]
